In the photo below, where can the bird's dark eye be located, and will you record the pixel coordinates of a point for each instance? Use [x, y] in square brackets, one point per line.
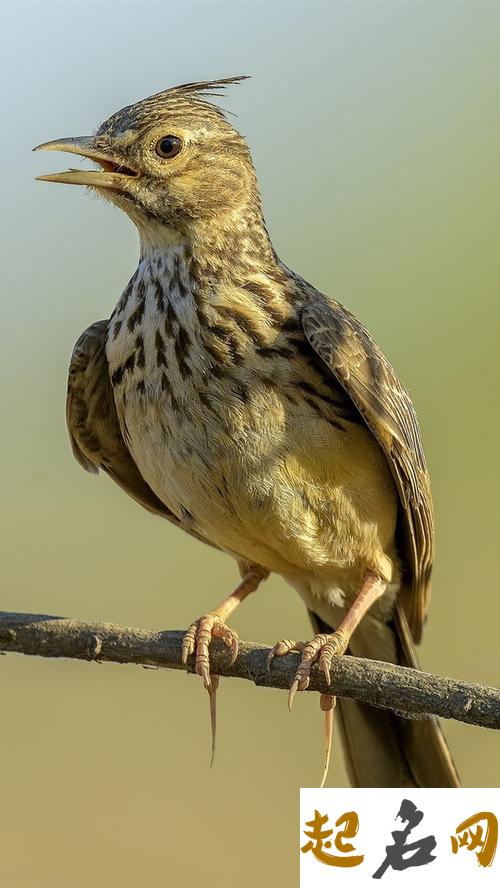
[168, 146]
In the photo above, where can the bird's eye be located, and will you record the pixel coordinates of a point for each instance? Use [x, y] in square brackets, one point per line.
[168, 146]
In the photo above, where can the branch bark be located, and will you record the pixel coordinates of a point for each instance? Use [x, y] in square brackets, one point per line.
[406, 691]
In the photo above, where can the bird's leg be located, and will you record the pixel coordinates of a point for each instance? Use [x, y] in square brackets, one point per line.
[324, 647]
[372, 589]
[213, 625]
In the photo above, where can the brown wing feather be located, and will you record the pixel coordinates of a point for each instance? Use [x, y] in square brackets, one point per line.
[361, 368]
[93, 425]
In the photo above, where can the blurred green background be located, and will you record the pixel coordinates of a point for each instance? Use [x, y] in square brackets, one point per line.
[375, 129]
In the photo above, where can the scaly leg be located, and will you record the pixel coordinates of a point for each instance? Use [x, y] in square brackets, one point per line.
[213, 625]
[325, 646]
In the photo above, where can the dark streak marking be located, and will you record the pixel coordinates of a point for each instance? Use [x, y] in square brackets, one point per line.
[274, 351]
[183, 338]
[138, 313]
[244, 323]
[241, 391]
[161, 359]
[170, 318]
[207, 402]
[141, 356]
[180, 347]
[117, 376]
[129, 363]
[159, 295]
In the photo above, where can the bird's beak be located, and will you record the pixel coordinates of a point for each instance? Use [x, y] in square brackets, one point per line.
[113, 174]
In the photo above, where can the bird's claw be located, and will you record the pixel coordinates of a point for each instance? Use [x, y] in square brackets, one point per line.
[327, 704]
[197, 641]
[335, 647]
[213, 714]
[281, 648]
[310, 654]
[322, 647]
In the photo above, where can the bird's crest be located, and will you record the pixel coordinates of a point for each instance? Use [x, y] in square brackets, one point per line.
[204, 88]
[182, 98]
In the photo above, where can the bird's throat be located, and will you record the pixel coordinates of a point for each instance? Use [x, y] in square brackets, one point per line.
[229, 246]
[157, 239]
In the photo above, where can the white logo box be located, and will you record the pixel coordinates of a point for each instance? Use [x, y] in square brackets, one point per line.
[443, 810]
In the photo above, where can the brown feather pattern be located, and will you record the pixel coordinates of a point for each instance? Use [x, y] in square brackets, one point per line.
[360, 366]
[93, 426]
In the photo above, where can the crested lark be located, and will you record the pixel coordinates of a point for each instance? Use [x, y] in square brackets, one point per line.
[257, 414]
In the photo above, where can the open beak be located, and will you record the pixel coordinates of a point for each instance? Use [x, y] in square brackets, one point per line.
[112, 175]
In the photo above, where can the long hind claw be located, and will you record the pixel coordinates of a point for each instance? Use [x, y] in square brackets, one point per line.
[214, 681]
[197, 641]
[327, 704]
[213, 625]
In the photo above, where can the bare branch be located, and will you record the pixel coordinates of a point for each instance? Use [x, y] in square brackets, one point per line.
[406, 691]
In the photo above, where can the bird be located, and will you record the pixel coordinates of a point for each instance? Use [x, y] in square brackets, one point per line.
[228, 395]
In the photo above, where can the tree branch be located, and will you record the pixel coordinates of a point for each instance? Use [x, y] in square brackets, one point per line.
[406, 691]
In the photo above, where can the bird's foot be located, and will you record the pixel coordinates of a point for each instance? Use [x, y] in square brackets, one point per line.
[197, 641]
[322, 647]
[213, 625]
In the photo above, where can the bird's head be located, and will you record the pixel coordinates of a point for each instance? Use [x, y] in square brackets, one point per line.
[171, 160]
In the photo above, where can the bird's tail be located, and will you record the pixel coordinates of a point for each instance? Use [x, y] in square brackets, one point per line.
[380, 748]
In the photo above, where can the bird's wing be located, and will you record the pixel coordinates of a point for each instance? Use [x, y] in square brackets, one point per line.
[360, 367]
[93, 425]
